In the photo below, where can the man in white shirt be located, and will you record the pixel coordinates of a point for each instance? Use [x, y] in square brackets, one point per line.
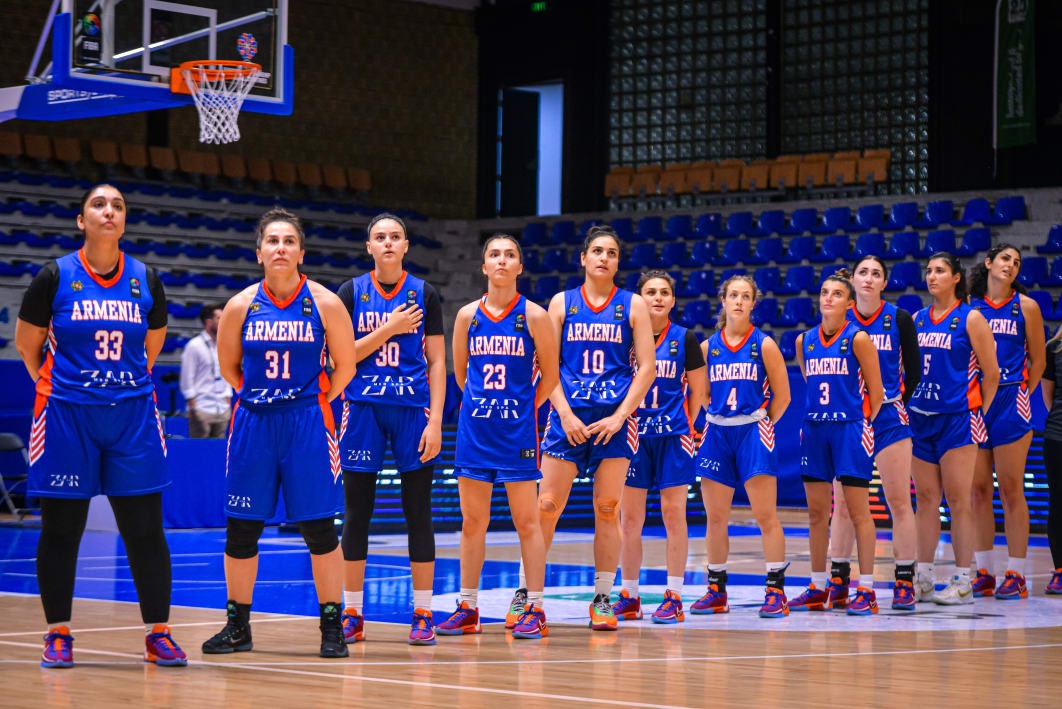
[205, 391]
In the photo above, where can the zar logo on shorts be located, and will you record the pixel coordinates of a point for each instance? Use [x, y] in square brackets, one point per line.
[307, 307]
[65, 480]
[134, 288]
[712, 465]
[239, 502]
[358, 455]
[527, 453]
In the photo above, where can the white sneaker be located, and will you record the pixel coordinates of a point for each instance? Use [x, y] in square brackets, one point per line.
[924, 588]
[957, 593]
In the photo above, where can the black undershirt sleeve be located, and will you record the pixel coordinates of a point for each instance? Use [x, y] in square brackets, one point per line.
[346, 294]
[433, 316]
[158, 316]
[694, 358]
[37, 302]
[1052, 362]
[911, 357]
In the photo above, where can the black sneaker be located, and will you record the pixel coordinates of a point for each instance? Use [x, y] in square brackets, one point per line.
[235, 636]
[332, 641]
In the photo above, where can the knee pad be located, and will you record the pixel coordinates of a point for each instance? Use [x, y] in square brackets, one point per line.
[607, 510]
[320, 535]
[548, 508]
[241, 537]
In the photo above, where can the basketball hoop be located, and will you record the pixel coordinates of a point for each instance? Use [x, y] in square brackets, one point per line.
[218, 88]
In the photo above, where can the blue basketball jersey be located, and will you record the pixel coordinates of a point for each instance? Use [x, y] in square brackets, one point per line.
[885, 334]
[398, 373]
[836, 390]
[95, 351]
[950, 373]
[1008, 328]
[284, 353]
[597, 349]
[665, 410]
[497, 427]
[737, 379]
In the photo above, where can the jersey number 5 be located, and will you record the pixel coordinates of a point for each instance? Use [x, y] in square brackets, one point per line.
[109, 345]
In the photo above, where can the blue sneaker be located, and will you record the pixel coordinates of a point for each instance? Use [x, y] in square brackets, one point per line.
[160, 648]
[422, 631]
[812, 599]
[903, 596]
[775, 604]
[865, 602]
[628, 607]
[670, 611]
[58, 648]
[353, 626]
[532, 624]
[713, 601]
[463, 621]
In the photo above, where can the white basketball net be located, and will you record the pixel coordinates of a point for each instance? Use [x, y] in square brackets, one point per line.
[218, 92]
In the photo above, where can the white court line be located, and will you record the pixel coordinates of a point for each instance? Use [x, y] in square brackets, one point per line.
[174, 626]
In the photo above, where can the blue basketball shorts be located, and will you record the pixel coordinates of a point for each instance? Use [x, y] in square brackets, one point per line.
[79, 451]
[294, 450]
[936, 434]
[1009, 417]
[731, 455]
[367, 429]
[833, 449]
[586, 455]
[490, 475]
[662, 461]
[891, 425]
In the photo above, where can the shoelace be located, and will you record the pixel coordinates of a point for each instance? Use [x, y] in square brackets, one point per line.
[59, 644]
[773, 598]
[603, 607]
[519, 601]
[670, 605]
[163, 641]
[421, 624]
[529, 616]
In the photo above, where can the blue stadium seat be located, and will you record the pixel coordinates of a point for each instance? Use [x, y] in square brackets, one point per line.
[787, 343]
[765, 312]
[672, 254]
[697, 313]
[563, 232]
[739, 224]
[173, 279]
[902, 215]
[729, 273]
[800, 248]
[649, 229]
[679, 226]
[975, 211]
[624, 229]
[640, 257]
[1033, 271]
[835, 219]
[553, 260]
[708, 225]
[702, 254]
[905, 275]
[870, 217]
[828, 271]
[1043, 299]
[523, 286]
[586, 226]
[768, 279]
[167, 250]
[630, 282]
[1009, 209]
[545, 288]
[798, 279]
[910, 302]
[834, 247]
[734, 252]
[767, 249]
[903, 244]
[938, 212]
[8, 270]
[869, 244]
[1053, 245]
[189, 250]
[974, 241]
[797, 310]
[699, 283]
[1054, 276]
[574, 262]
[771, 221]
[802, 221]
[939, 240]
[532, 262]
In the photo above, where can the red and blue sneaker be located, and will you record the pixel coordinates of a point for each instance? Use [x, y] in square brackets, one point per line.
[775, 604]
[353, 626]
[532, 624]
[1013, 587]
[628, 607]
[903, 596]
[713, 601]
[58, 648]
[812, 599]
[838, 590]
[670, 611]
[463, 621]
[864, 602]
[984, 584]
[160, 648]
[1054, 586]
[423, 630]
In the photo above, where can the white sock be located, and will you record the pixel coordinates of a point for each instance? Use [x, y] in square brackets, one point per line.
[774, 566]
[674, 583]
[523, 579]
[535, 598]
[983, 559]
[352, 600]
[603, 581]
[471, 596]
[963, 574]
[422, 599]
[818, 579]
[926, 570]
[631, 587]
[1016, 564]
[866, 580]
[148, 629]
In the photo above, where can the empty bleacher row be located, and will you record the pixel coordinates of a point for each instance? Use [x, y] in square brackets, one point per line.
[849, 172]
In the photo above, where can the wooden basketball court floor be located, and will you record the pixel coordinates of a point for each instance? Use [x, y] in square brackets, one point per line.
[992, 651]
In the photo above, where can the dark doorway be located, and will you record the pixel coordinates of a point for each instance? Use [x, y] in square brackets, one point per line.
[517, 192]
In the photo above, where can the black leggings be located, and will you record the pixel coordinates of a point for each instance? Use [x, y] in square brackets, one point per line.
[1053, 466]
[139, 520]
[359, 490]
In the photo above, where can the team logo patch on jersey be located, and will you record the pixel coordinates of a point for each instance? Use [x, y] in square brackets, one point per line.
[134, 288]
[364, 297]
[254, 307]
[672, 348]
[954, 324]
[619, 311]
[844, 345]
[475, 322]
[811, 346]
[76, 286]
[520, 324]
[573, 309]
[307, 306]
[714, 352]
